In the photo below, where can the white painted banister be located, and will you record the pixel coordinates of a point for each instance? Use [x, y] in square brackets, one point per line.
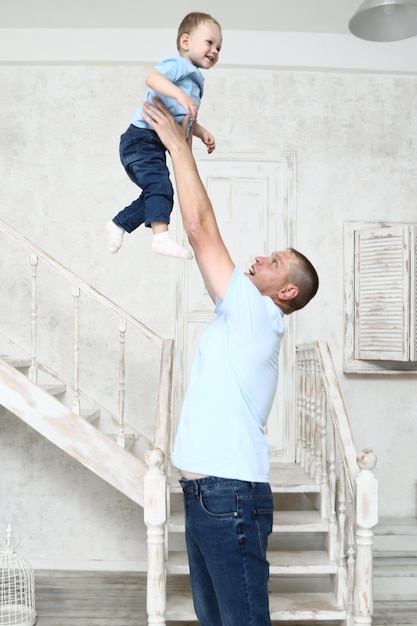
[121, 439]
[76, 349]
[163, 412]
[155, 515]
[366, 519]
[81, 288]
[85, 287]
[33, 370]
[337, 409]
[349, 488]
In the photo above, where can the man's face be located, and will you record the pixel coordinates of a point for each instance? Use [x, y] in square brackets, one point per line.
[270, 273]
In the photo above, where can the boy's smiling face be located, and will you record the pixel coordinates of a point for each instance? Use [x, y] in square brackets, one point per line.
[202, 45]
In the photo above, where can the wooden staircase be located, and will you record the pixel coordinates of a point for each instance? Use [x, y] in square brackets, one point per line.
[38, 406]
[309, 572]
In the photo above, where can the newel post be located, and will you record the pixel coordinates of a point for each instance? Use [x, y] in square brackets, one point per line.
[366, 519]
[155, 519]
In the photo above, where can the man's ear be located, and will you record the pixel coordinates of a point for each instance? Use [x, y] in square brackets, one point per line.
[289, 292]
[184, 41]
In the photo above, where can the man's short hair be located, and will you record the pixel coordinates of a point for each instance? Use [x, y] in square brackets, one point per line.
[304, 276]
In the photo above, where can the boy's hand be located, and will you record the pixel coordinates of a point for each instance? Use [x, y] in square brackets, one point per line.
[188, 104]
[206, 137]
[209, 141]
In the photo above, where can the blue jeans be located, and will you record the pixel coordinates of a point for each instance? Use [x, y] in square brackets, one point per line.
[143, 156]
[227, 523]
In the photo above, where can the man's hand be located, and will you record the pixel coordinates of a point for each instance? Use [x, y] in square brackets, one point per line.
[172, 135]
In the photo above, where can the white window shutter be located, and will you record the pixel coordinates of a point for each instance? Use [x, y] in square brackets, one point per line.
[413, 293]
[382, 293]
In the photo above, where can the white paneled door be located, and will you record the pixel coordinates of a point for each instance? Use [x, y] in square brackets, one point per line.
[253, 198]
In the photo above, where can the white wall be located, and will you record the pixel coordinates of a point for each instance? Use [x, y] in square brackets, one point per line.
[355, 135]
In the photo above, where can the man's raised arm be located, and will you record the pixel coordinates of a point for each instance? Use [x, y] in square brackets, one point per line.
[198, 217]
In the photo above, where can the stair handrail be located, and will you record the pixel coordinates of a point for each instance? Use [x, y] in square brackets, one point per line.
[79, 282]
[338, 411]
[162, 419]
[349, 501]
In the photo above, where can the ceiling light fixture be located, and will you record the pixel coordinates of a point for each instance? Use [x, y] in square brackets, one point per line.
[385, 20]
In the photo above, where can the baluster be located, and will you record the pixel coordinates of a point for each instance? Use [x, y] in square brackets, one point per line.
[155, 519]
[325, 482]
[313, 425]
[318, 427]
[300, 400]
[121, 440]
[366, 519]
[350, 562]
[303, 412]
[341, 523]
[33, 369]
[309, 395]
[332, 494]
[76, 349]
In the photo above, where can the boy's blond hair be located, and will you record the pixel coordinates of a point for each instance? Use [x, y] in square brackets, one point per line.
[191, 21]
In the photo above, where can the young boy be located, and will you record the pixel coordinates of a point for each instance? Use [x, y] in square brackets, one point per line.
[178, 82]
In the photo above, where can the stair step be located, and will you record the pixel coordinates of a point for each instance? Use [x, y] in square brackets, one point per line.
[177, 564]
[299, 522]
[395, 578]
[55, 389]
[396, 526]
[90, 415]
[291, 478]
[281, 563]
[284, 522]
[305, 606]
[300, 562]
[396, 537]
[129, 440]
[396, 566]
[176, 522]
[18, 363]
[400, 613]
[284, 607]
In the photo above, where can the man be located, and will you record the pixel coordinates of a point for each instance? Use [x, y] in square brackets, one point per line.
[220, 448]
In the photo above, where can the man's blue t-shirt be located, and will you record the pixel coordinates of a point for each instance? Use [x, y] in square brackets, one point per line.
[231, 389]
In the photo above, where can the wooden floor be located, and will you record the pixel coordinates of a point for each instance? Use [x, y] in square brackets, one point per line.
[90, 598]
[66, 598]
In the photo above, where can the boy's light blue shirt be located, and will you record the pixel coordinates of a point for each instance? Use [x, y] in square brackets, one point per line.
[231, 389]
[183, 74]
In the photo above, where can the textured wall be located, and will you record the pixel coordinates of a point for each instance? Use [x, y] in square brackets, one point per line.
[355, 136]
